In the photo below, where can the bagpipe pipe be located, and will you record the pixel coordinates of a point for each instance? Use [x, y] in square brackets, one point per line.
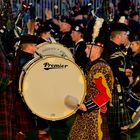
[25, 19]
[17, 22]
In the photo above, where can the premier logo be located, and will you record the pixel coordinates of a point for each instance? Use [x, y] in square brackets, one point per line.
[48, 66]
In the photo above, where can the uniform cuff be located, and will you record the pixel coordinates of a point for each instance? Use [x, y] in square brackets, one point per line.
[90, 105]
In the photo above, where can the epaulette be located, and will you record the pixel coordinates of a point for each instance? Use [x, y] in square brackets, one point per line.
[116, 54]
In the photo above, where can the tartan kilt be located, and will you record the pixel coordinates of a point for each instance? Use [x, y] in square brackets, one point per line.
[25, 120]
[104, 127]
[7, 118]
[118, 114]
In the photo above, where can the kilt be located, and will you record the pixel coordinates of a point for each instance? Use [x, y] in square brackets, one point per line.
[104, 127]
[117, 115]
[25, 120]
[7, 120]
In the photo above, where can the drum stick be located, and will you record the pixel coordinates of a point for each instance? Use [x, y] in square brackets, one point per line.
[71, 102]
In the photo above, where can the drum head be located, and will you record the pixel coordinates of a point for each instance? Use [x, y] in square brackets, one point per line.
[53, 49]
[49, 83]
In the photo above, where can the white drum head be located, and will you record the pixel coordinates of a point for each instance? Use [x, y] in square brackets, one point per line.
[53, 49]
[49, 83]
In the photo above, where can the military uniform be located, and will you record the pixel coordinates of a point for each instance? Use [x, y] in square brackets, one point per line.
[65, 36]
[79, 47]
[92, 124]
[25, 120]
[80, 55]
[66, 40]
[118, 113]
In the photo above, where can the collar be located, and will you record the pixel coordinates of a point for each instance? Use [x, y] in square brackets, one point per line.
[79, 41]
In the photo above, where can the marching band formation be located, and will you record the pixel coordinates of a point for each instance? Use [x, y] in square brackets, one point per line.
[70, 78]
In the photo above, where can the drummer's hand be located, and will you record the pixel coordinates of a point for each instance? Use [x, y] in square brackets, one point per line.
[82, 107]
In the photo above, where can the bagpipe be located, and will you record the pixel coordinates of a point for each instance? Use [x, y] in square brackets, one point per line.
[25, 19]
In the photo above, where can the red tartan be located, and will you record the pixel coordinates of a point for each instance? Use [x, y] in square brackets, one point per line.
[25, 121]
[7, 125]
[24, 118]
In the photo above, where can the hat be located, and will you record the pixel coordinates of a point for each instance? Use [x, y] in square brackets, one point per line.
[134, 13]
[43, 29]
[29, 39]
[121, 18]
[97, 32]
[135, 37]
[78, 28]
[66, 20]
[119, 27]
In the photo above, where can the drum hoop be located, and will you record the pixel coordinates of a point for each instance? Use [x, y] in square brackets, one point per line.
[29, 66]
[58, 44]
[42, 44]
[24, 71]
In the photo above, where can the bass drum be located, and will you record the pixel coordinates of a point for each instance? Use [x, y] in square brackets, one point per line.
[52, 87]
[53, 49]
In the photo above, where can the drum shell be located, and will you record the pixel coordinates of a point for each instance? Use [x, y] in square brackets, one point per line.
[55, 49]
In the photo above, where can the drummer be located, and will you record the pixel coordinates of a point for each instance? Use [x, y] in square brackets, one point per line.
[91, 120]
[25, 120]
[44, 34]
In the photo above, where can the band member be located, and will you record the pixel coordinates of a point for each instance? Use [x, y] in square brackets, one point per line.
[79, 46]
[116, 59]
[65, 32]
[135, 86]
[134, 24]
[44, 34]
[25, 121]
[91, 121]
[135, 47]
